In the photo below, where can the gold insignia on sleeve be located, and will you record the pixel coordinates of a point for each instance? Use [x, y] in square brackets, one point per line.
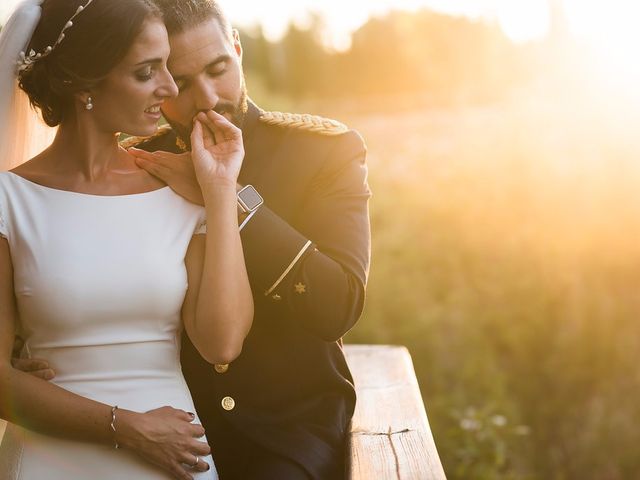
[306, 122]
[135, 141]
[300, 288]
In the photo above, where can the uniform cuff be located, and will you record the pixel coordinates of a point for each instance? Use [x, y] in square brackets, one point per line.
[272, 248]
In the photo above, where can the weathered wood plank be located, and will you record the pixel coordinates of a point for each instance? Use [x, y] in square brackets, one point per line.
[390, 434]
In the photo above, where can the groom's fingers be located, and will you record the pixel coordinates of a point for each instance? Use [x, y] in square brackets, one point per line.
[29, 364]
[18, 344]
[46, 374]
[35, 367]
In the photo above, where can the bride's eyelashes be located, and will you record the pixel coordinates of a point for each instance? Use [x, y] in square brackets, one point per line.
[146, 73]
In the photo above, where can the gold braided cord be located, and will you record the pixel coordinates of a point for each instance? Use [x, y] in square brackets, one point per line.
[306, 122]
[135, 141]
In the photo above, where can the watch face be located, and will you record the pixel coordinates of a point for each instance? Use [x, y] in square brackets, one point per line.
[250, 198]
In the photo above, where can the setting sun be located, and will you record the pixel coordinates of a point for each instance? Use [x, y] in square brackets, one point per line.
[611, 30]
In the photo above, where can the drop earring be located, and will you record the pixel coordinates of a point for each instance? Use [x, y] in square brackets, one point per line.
[89, 104]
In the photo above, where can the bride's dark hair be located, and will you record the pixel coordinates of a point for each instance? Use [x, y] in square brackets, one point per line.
[99, 39]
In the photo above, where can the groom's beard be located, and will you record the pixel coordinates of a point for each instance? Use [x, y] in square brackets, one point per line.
[237, 114]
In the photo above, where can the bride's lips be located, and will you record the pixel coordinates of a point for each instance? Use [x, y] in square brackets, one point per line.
[154, 111]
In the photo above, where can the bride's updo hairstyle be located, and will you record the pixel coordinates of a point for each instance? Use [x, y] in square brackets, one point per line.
[98, 39]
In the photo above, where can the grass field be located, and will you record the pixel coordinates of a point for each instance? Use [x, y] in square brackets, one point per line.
[506, 256]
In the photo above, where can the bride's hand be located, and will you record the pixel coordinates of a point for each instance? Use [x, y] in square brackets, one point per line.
[165, 437]
[174, 169]
[216, 150]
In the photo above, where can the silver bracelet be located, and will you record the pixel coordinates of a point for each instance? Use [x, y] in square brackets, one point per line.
[113, 425]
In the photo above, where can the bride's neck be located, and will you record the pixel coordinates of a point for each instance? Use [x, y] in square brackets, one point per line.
[81, 147]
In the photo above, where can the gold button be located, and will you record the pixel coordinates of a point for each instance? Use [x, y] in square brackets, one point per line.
[300, 288]
[277, 297]
[228, 403]
[221, 367]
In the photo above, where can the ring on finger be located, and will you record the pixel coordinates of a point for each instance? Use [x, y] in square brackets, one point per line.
[195, 464]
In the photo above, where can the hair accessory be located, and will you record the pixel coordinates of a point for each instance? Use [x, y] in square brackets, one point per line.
[26, 61]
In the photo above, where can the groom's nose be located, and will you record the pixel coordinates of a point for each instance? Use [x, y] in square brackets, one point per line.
[206, 95]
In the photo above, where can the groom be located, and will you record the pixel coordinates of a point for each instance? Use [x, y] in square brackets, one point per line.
[282, 409]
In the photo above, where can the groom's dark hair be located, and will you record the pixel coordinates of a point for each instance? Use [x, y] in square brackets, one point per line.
[181, 15]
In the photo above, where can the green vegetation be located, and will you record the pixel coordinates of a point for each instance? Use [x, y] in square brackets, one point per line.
[506, 257]
[506, 240]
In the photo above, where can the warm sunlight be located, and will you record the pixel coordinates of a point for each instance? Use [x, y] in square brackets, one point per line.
[523, 20]
[612, 30]
[499, 141]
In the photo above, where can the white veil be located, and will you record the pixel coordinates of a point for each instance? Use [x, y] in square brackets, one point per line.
[23, 134]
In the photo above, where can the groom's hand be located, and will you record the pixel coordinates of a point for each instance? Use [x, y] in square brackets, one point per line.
[33, 366]
[174, 169]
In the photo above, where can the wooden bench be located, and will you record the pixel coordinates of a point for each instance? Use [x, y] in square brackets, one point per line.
[390, 434]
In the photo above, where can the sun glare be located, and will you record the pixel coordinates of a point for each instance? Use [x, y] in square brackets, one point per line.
[523, 21]
[611, 30]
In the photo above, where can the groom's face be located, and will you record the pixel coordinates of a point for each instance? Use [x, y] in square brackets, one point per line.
[207, 67]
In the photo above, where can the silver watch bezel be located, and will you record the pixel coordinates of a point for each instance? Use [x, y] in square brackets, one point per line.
[243, 205]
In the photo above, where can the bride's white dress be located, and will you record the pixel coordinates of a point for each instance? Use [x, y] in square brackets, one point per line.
[99, 283]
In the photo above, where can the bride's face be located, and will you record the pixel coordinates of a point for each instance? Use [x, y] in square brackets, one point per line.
[129, 98]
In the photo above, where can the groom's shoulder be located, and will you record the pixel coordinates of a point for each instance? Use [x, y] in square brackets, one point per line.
[164, 139]
[302, 135]
[301, 123]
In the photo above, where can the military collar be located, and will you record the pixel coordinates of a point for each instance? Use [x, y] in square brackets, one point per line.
[251, 119]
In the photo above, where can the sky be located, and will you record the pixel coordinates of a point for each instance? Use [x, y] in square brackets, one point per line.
[612, 21]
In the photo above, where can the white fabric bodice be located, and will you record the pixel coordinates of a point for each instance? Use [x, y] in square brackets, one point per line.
[99, 283]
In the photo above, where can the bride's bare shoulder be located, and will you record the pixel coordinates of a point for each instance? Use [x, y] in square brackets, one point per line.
[37, 168]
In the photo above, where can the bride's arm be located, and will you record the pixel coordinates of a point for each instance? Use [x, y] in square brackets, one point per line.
[218, 308]
[164, 436]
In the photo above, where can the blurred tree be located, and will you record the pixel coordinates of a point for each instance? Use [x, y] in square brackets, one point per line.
[452, 59]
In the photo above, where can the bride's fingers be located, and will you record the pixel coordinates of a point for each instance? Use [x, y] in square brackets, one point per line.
[197, 431]
[209, 130]
[199, 447]
[212, 127]
[178, 471]
[221, 124]
[189, 460]
[197, 140]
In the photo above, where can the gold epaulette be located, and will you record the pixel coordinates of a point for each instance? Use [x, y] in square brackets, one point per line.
[306, 122]
[135, 141]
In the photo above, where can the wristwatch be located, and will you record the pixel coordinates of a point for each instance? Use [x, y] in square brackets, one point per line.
[249, 200]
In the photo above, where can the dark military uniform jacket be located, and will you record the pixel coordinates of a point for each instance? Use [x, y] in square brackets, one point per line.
[307, 253]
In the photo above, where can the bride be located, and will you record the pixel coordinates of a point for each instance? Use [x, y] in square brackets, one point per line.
[101, 266]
